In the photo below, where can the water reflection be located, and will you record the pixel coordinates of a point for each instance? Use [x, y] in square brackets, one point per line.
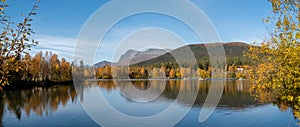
[141, 91]
[44, 101]
[41, 101]
[235, 95]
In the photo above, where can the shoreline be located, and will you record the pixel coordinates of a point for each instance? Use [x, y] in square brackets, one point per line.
[21, 85]
[149, 79]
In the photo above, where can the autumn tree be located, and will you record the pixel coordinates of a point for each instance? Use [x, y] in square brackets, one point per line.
[46, 69]
[162, 71]
[144, 73]
[65, 69]
[54, 64]
[277, 58]
[35, 67]
[15, 42]
[203, 74]
[155, 73]
[172, 73]
[177, 73]
[99, 72]
[25, 72]
[183, 72]
[107, 72]
[41, 68]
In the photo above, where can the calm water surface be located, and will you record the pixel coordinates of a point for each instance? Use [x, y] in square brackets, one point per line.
[60, 105]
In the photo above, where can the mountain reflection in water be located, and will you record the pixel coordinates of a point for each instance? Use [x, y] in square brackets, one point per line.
[43, 102]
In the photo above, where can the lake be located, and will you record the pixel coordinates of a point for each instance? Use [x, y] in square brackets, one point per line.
[61, 105]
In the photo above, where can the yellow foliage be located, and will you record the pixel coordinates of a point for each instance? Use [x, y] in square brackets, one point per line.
[278, 68]
[13, 45]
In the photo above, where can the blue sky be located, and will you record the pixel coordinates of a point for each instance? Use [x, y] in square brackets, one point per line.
[59, 22]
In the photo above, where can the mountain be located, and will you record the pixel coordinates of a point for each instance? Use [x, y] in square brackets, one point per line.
[155, 57]
[102, 64]
[134, 56]
[233, 52]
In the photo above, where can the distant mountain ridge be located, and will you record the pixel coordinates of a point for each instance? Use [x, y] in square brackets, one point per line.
[234, 51]
[103, 64]
[133, 56]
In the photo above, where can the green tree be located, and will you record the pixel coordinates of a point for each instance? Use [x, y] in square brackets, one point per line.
[277, 59]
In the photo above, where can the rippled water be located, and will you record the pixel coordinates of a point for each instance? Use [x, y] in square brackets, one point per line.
[60, 105]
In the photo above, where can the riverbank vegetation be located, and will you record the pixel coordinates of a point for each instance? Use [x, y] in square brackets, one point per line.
[167, 71]
[272, 66]
[276, 76]
[17, 66]
[16, 42]
[41, 69]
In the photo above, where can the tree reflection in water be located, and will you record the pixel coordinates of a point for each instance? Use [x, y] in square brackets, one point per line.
[44, 101]
[41, 101]
[284, 99]
[236, 94]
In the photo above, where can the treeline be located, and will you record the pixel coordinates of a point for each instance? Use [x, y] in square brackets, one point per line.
[203, 63]
[44, 67]
[170, 71]
[235, 68]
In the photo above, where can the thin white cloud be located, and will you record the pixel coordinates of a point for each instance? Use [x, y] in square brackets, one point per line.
[63, 47]
[118, 41]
